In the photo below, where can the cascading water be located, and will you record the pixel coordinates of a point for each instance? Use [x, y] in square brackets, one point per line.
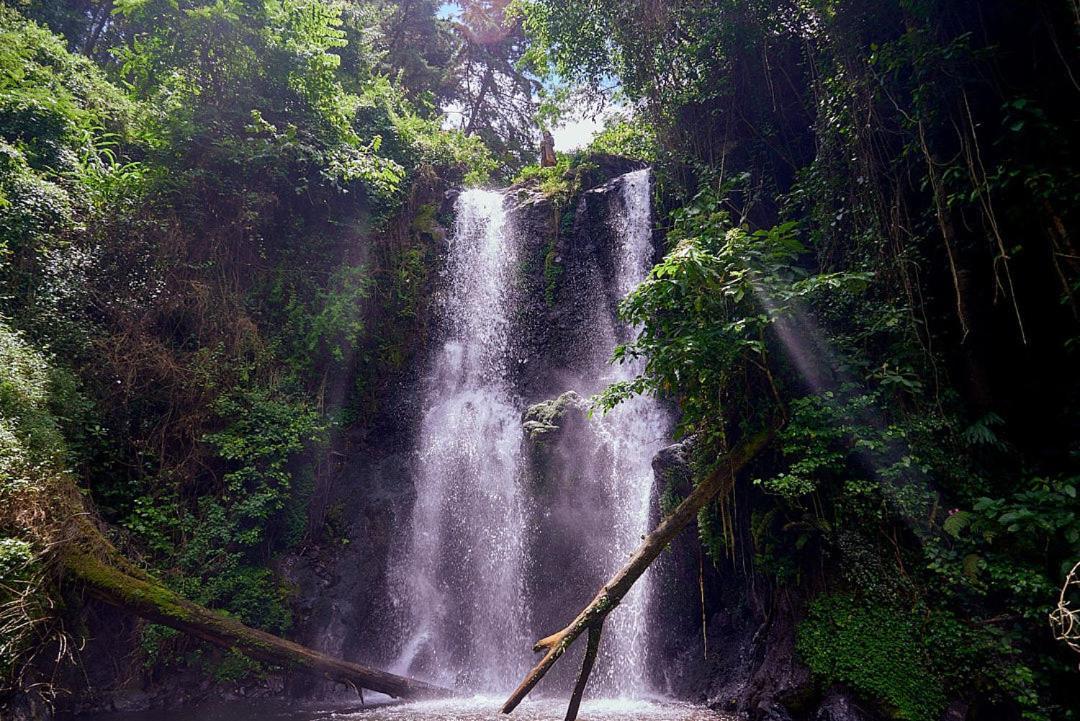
[461, 579]
[633, 432]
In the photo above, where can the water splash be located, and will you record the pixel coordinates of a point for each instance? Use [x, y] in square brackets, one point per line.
[461, 578]
[478, 708]
[482, 708]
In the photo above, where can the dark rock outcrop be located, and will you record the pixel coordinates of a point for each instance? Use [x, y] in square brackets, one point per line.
[738, 652]
[567, 294]
[839, 705]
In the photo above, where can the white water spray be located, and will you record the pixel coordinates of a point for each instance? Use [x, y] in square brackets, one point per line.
[461, 579]
[634, 431]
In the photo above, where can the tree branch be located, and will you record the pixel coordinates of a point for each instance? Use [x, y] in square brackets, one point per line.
[593, 615]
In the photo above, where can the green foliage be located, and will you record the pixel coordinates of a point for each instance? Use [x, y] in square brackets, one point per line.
[629, 138]
[869, 470]
[17, 570]
[911, 660]
[451, 151]
[329, 325]
[554, 181]
[30, 440]
[675, 54]
[1014, 548]
[279, 63]
[253, 141]
[227, 537]
[568, 38]
[1041, 510]
[713, 534]
[705, 308]
[833, 435]
[16, 556]
[31, 451]
[212, 209]
[32, 208]
[928, 459]
[50, 99]
[264, 433]
[879, 651]
[235, 666]
[59, 122]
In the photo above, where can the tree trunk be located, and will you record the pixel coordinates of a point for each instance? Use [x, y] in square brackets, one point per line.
[592, 617]
[86, 555]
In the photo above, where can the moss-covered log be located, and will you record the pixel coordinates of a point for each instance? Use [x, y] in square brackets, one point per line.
[86, 555]
[592, 617]
[42, 506]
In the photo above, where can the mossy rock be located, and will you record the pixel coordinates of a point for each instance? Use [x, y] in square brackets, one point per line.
[544, 420]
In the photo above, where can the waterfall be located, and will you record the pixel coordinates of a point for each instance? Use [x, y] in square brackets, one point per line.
[461, 587]
[461, 579]
[633, 433]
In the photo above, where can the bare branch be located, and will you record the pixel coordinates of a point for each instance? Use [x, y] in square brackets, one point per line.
[593, 615]
[1065, 620]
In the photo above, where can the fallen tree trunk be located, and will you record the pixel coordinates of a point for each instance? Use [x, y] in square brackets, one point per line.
[592, 617]
[156, 603]
[42, 507]
[85, 554]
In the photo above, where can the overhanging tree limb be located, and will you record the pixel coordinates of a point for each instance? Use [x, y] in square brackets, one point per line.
[592, 617]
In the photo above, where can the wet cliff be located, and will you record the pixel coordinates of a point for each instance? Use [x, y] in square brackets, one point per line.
[564, 294]
[719, 633]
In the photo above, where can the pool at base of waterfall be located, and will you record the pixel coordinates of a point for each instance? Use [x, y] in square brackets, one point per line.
[487, 709]
[477, 708]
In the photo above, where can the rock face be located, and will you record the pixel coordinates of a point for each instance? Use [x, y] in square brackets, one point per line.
[560, 445]
[567, 295]
[740, 658]
[546, 421]
[838, 705]
[577, 254]
[730, 653]
[750, 667]
[346, 579]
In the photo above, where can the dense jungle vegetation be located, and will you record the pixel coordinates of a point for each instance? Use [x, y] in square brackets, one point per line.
[217, 228]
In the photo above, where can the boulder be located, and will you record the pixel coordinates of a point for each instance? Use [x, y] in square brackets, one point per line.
[543, 421]
[839, 705]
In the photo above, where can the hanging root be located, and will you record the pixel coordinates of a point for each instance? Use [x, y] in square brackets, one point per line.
[940, 206]
[592, 617]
